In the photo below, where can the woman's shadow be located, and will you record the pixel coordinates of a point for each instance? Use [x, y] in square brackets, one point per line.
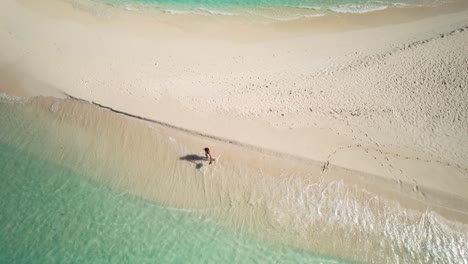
[197, 160]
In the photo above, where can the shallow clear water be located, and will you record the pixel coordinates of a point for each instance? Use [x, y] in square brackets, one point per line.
[50, 214]
[313, 4]
[271, 9]
[84, 184]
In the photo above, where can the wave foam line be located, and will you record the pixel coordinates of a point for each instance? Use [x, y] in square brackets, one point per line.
[356, 9]
[198, 11]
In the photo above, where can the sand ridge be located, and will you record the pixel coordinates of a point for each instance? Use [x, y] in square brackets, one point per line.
[388, 100]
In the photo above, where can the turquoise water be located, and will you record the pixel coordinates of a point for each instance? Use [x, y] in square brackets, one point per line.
[51, 214]
[83, 184]
[318, 4]
[275, 9]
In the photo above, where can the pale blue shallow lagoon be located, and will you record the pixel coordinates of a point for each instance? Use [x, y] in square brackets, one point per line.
[271, 9]
[81, 184]
[52, 214]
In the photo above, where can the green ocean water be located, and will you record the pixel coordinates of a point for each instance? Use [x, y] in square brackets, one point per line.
[274, 3]
[289, 8]
[51, 214]
[81, 184]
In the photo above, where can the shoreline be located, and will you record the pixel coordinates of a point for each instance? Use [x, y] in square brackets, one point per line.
[421, 199]
[241, 28]
[231, 80]
[248, 191]
[457, 210]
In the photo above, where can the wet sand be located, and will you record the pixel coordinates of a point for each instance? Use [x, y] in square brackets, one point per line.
[384, 104]
[386, 100]
[290, 201]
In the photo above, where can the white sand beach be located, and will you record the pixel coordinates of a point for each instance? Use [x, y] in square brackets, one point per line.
[382, 94]
[389, 100]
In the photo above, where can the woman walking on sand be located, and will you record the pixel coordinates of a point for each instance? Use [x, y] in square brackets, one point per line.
[208, 155]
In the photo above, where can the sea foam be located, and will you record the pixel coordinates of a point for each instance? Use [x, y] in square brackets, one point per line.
[356, 9]
[275, 10]
[272, 197]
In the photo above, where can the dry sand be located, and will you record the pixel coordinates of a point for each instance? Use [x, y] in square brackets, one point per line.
[388, 99]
